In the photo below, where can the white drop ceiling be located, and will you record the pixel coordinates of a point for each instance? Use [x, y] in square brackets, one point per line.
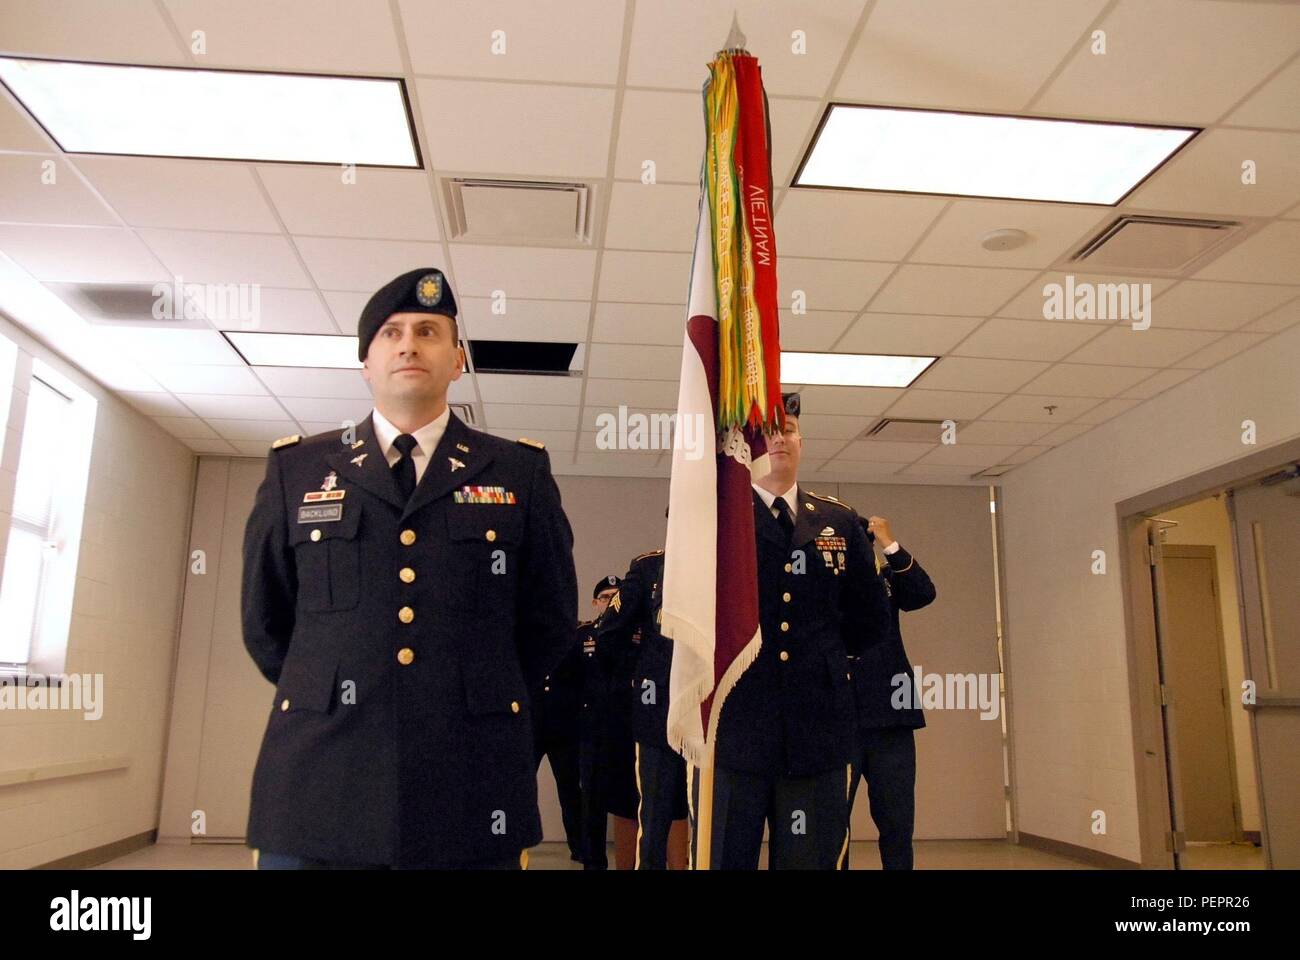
[589, 90]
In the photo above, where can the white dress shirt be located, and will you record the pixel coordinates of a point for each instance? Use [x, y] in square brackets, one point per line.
[791, 497]
[426, 439]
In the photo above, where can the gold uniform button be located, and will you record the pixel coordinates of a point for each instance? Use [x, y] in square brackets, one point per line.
[514, 706]
[408, 537]
[406, 614]
[785, 597]
[406, 574]
[491, 535]
[284, 705]
[788, 568]
[315, 535]
[406, 656]
[785, 627]
[784, 656]
[808, 505]
[546, 689]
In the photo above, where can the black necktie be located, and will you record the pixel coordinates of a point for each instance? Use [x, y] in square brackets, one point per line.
[404, 468]
[783, 517]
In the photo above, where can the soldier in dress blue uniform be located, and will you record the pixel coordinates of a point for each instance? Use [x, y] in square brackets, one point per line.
[597, 752]
[631, 623]
[785, 732]
[886, 744]
[406, 583]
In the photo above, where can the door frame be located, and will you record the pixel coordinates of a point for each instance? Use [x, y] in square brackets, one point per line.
[1131, 515]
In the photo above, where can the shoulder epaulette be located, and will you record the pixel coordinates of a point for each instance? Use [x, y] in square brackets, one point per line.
[535, 444]
[288, 441]
[648, 553]
[822, 496]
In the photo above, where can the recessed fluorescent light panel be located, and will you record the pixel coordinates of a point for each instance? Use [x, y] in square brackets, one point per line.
[851, 369]
[295, 349]
[216, 114]
[982, 155]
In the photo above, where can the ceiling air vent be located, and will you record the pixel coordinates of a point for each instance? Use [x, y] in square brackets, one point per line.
[1156, 243]
[518, 210]
[906, 431]
[130, 304]
[529, 357]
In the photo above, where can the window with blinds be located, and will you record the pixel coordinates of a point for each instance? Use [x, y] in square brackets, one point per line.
[34, 526]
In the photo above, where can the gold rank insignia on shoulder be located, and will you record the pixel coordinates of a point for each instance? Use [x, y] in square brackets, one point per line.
[822, 496]
[288, 441]
[648, 553]
[536, 444]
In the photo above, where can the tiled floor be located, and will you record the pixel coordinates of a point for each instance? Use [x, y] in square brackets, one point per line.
[1223, 856]
[930, 855]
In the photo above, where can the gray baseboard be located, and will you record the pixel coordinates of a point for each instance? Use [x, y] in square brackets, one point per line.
[1093, 858]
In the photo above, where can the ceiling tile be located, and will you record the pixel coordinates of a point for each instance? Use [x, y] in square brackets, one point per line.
[346, 306]
[227, 257]
[363, 265]
[219, 407]
[186, 428]
[663, 323]
[968, 454]
[1032, 409]
[1064, 433]
[1026, 339]
[251, 448]
[816, 330]
[1086, 380]
[214, 447]
[1268, 256]
[522, 388]
[1126, 347]
[988, 376]
[209, 379]
[656, 394]
[162, 348]
[951, 53]
[523, 272]
[905, 333]
[188, 194]
[674, 40]
[156, 404]
[847, 401]
[952, 471]
[382, 204]
[1107, 410]
[1221, 350]
[645, 277]
[566, 129]
[1031, 301]
[831, 426]
[1205, 176]
[852, 225]
[1197, 304]
[886, 451]
[666, 129]
[634, 362]
[286, 311]
[326, 410]
[319, 36]
[961, 291]
[942, 405]
[552, 321]
[81, 254]
[994, 432]
[829, 284]
[264, 430]
[43, 189]
[578, 41]
[1273, 104]
[1283, 317]
[1054, 230]
[313, 382]
[131, 31]
[659, 216]
[525, 416]
[1154, 68]
[860, 469]
[1157, 383]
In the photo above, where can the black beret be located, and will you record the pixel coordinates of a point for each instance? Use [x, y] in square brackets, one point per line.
[423, 290]
[791, 401]
[604, 583]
